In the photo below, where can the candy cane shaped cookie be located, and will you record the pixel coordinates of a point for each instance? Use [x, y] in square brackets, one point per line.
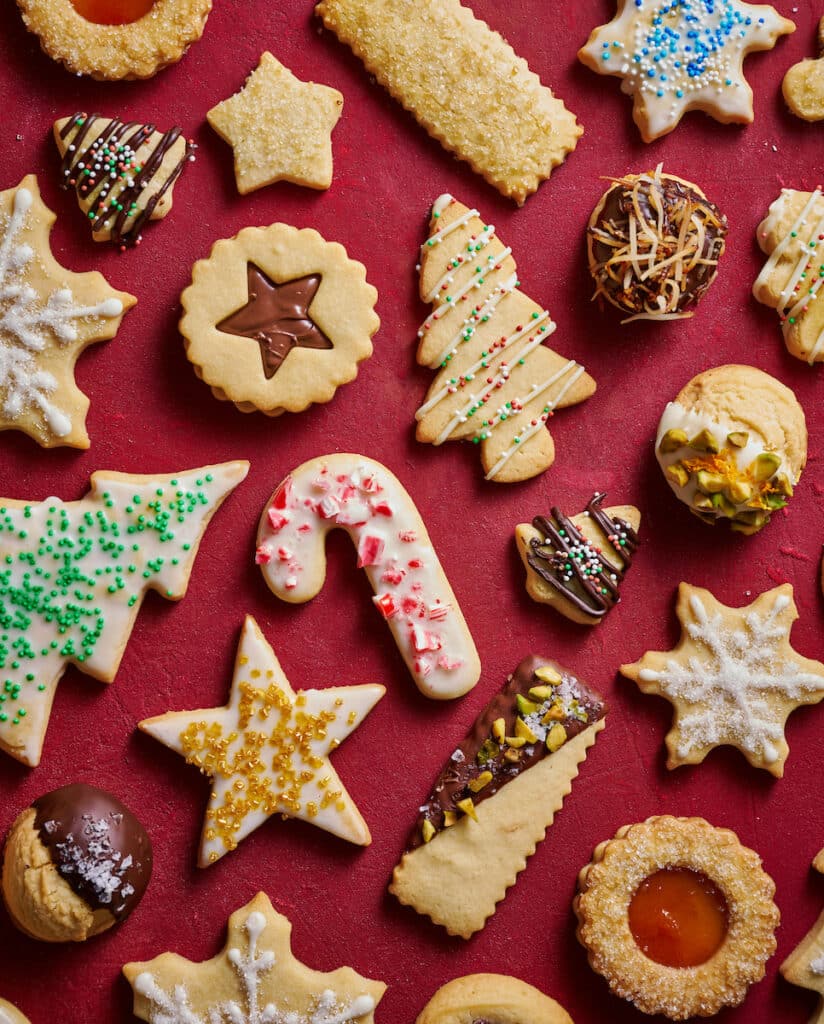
[412, 593]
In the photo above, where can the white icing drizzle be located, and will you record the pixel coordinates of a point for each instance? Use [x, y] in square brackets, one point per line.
[723, 691]
[251, 968]
[478, 315]
[27, 325]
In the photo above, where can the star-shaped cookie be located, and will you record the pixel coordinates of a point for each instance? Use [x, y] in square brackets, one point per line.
[733, 677]
[254, 980]
[279, 127]
[805, 965]
[267, 751]
[48, 315]
[680, 55]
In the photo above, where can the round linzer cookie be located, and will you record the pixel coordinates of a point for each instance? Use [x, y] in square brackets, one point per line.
[113, 39]
[491, 999]
[76, 862]
[732, 446]
[277, 319]
[653, 244]
[11, 1015]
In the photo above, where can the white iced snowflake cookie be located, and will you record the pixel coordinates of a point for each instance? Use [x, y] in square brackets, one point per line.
[733, 679]
[411, 591]
[48, 315]
[255, 980]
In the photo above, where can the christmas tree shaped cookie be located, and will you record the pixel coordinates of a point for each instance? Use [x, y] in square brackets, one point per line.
[73, 574]
[805, 965]
[497, 383]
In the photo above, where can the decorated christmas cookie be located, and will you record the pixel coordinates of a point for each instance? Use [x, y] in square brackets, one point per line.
[129, 534]
[497, 795]
[733, 678]
[577, 564]
[497, 383]
[678, 916]
[113, 39]
[124, 173]
[48, 315]
[11, 1015]
[732, 446]
[680, 55]
[255, 980]
[654, 242]
[279, 127]
[411, 591]
[792, 236]
[291, 773]
[491, 999]
[76, 862]
[276, 319]
[803, 85]
[805, 965]
[454, 74]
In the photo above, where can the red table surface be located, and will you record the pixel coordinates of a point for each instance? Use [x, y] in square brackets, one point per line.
[150, 413]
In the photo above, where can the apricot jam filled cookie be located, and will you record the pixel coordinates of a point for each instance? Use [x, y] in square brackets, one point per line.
[677, 915]
[113, 39]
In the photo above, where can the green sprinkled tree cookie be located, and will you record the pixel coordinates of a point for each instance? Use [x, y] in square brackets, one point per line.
[73, 574]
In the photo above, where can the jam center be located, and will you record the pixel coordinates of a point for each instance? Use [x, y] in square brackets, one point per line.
[678, 917]
[112, 12]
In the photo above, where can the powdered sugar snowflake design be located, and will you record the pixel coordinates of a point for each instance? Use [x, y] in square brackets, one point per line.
[175, 1008]
[726, 692]
[27, 325]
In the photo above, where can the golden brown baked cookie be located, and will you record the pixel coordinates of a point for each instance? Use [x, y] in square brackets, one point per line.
[805, 965]
[112, 39]
[732, 446]
[803, 85]
[11, 1015]
[491, 999]
[677, 916]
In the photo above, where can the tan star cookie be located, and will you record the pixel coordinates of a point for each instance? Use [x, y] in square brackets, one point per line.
[254, 980]
[805, 965]
[733, 678]
[267, 751]
[279, 127]
[48, 315]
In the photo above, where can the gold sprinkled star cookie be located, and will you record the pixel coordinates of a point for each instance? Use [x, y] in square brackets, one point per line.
[733, 679]
[267, 751]
[279, 127]
[254, 980]
[680, 55]
[48, 315]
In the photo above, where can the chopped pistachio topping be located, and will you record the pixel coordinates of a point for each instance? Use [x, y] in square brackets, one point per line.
[556, 737]
[476, 785]
[548, 675]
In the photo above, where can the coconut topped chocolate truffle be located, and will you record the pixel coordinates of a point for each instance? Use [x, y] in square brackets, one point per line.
[654, 242]
[76, 862]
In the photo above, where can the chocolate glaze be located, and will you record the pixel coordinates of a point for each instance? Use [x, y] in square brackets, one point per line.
[99, 847]
[463, 766]
[276, 316]
[580, 572]
[639, 296]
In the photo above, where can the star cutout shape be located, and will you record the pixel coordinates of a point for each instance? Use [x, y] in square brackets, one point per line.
[48, 315]
[733, 678]
[805, 965]
[279, 127]
[276, 316]
[267, 751]
[254, 980]
[680, 55]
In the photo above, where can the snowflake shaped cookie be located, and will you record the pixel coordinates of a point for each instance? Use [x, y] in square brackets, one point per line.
[255, 980]
[680, 55]
[733, 678]
[48, 315]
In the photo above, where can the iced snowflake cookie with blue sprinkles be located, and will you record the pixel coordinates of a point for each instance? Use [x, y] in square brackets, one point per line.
[681, 55]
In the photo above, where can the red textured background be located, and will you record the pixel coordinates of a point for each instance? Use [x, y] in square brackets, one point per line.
[149, 412]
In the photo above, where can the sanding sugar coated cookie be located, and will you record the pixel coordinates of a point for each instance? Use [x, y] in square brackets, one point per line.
[680, 55]
[491, 999]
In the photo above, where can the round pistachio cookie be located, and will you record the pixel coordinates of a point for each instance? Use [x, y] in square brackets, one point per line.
[76, 862]
[491, 999]
[733, 445]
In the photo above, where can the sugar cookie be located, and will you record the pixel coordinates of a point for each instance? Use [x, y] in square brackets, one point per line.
[491, 999]
[803, 85]
[805, 965]
[497, 795]
[255, 978]
[48, 315]
[128, 535]
[291, 774]
[497, 384]
[733, 678]
[279, 128]
[11, 1015]
[411, 591]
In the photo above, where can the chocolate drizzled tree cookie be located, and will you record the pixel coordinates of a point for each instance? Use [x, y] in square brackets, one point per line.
[497, 384]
